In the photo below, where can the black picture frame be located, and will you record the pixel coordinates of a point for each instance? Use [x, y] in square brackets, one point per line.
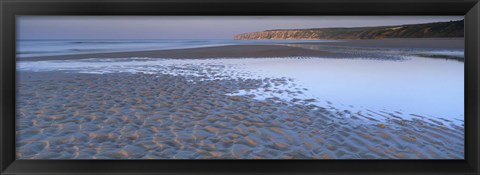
[10, 8]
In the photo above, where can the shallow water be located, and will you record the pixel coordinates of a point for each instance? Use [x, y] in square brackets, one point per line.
[425, 86]
[415, 85]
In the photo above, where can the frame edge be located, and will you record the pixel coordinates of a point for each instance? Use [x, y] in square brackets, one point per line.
[472, 29]
[473, 17]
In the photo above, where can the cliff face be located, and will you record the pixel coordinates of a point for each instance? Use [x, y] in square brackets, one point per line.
[428, 30]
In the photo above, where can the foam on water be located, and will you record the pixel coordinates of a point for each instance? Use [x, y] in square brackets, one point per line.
[421, 86]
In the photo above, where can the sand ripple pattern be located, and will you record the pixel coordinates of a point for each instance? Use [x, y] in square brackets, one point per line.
[185, 116]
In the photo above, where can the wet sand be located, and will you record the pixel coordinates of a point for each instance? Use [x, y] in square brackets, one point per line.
[140, 116]
[234, 51]
[280, 50]
[405, 43]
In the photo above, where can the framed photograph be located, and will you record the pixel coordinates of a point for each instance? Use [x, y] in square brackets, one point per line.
[240, 87]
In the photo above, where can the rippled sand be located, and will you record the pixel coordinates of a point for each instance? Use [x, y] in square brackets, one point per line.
[141, 116]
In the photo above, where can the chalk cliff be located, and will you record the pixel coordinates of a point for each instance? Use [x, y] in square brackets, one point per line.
[428, 30]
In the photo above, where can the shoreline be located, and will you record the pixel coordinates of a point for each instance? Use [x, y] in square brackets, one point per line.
[230, 51]
[271, 50]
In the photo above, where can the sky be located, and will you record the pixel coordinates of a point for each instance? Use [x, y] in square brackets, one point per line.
[191, 27]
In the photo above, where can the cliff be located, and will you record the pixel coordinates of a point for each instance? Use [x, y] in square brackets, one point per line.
[428, 30]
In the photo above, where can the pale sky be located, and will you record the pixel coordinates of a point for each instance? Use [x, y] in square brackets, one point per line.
[191, 27]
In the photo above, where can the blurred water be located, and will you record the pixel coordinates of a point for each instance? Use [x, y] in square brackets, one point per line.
[423, 86]
[33, 48]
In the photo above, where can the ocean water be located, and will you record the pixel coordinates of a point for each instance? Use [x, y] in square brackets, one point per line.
[33, 48]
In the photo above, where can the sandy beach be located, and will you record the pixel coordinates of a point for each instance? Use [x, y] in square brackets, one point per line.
[84, 116]
[236, 51]
[406, 43]
[262, 51]
[196, 112]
